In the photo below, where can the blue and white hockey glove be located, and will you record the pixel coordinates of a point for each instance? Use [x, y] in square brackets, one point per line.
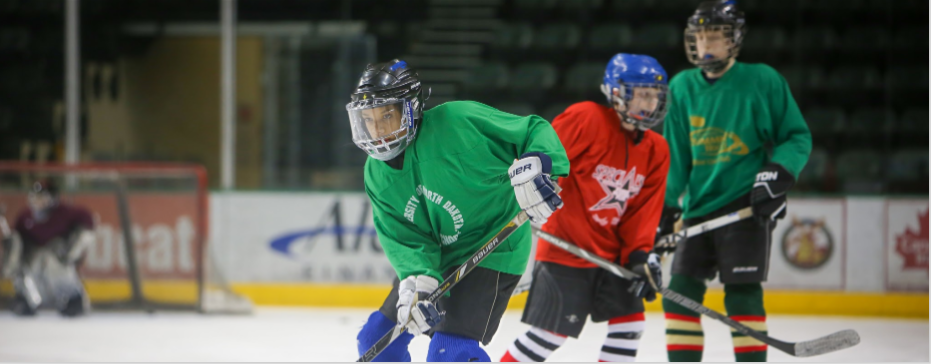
[535, 192]
[768, 196]
[416, 314]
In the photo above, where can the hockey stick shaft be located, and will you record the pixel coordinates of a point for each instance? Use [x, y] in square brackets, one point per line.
[521, 288]
[837, 341]
[451, 281]
[670, 241]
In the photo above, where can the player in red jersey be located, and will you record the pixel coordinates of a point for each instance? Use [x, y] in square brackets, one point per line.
[613, 200]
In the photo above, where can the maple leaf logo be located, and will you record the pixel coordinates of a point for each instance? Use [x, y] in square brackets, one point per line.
[913, 246]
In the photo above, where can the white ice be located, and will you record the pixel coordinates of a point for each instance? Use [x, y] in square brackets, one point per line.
[302, 334]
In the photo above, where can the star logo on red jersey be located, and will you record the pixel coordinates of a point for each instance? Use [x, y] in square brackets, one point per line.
[619, 186]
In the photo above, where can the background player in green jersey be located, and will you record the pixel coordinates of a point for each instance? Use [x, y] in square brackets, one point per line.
[736, 138]
[442, 182]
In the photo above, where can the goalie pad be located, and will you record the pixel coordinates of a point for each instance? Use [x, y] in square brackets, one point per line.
[45, 280]
[12, 255]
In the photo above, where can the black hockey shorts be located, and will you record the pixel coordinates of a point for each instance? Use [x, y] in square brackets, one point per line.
[474, 306]
[739, 251]
[562, 297]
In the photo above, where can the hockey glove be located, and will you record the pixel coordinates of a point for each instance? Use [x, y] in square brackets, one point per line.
[416, 314]
[667, 222]
[768, 196]
[536, 193]
[60, 248]
[650, 273]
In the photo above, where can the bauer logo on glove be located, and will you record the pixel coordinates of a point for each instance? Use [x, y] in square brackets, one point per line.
[535, 191]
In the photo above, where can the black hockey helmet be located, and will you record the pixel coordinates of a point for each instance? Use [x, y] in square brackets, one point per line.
[717, 15]
[393, 90]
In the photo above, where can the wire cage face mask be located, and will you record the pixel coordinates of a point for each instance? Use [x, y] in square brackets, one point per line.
[383, 128]
[730, 37]
[640, 104]
[39, 203]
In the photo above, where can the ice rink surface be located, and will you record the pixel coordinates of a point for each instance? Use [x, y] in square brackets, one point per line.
[307, 335]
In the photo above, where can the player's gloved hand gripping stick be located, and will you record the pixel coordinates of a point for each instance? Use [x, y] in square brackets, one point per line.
[452, 280]
[667, 243]
[767, 204]
[449, 282]
[823, 345]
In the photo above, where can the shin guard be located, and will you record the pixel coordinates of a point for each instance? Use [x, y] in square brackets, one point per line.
[623, 338]
[685, 340]
[534, 345]
[376, 327]
[445, 347]
[744, 304]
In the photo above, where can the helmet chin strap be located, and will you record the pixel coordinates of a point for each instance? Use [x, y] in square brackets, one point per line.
[636, 134]
[711, 65]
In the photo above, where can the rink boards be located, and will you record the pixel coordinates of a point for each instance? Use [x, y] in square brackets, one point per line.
[850, 256]
[847, 256]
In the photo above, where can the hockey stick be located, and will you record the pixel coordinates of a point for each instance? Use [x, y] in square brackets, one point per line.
[673, 239]
[823, 345]
[670, 241]
[521, 288]
[450, 281]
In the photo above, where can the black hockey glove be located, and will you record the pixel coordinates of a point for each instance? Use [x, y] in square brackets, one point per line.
[768, 197]
[647, 266]
[667, 222]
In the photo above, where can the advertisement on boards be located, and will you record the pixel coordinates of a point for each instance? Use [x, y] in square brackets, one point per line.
[301, 237]
[807, 247]
[906, 246]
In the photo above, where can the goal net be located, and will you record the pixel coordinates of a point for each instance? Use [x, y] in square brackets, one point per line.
[151, 225]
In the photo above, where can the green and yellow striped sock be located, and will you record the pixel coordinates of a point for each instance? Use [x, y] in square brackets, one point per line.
[684, 336]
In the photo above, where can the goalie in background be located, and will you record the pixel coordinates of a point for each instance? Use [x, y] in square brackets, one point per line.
[45, 248]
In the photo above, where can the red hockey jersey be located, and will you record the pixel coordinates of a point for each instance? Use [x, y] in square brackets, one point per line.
[614, 193]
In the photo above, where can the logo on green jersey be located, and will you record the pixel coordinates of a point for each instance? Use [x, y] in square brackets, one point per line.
[441, 201]
[715, 145]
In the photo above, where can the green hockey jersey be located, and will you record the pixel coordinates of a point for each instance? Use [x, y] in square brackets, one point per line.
[719, 134]
[453, 192]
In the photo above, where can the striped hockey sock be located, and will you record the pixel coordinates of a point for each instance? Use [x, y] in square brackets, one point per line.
[623, 338]
[685, 339]
[744, 303]
[534, 345]
[747, 348]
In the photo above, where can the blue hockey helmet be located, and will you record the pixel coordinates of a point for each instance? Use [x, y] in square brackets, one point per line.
[626, 75]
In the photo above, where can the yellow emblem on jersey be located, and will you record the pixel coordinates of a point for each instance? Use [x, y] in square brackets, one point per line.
[716, 145]
[696, 121]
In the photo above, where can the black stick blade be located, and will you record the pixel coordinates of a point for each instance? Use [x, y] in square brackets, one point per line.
[833, 342]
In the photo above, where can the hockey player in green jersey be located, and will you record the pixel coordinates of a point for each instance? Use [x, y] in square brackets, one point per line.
[736, 139]
[442, 182]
